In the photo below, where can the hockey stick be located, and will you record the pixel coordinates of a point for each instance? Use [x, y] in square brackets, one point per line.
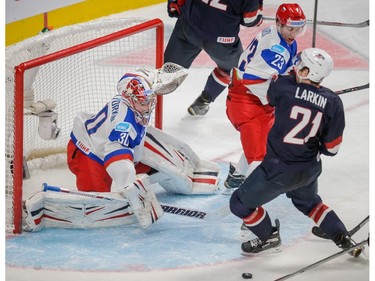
[353, 89]
[331, 23]
[181, 211]
[327, 259]
[317, 231]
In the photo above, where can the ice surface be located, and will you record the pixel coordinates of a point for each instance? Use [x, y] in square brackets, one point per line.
[179, 248]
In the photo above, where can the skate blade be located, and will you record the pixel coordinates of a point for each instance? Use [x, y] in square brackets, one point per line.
[265, 252]
[187, 116]
[228, 191]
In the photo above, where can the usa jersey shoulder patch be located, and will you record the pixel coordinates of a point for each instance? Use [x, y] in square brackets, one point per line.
[278, 49]
[266, 31]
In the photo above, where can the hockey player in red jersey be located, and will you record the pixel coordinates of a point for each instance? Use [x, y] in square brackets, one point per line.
[309, 122]
[212, 26]
[269, 54]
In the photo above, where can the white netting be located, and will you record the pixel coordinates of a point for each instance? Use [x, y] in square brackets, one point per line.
[84, 81]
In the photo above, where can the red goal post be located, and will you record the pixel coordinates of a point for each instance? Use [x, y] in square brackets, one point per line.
[77, 67]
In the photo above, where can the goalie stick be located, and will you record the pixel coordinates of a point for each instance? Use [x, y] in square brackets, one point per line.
[181, 211]
[331, 23]
[317, 231]
[322, 261]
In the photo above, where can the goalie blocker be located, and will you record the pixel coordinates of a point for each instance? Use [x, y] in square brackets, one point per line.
[179, 170]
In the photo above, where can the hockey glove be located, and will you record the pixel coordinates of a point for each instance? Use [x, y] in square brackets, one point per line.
[255, 18]
[174, 8]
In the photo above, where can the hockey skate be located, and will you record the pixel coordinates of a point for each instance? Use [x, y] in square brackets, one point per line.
[256, 245]
[345, 242]
[200, 106]
[233, 180]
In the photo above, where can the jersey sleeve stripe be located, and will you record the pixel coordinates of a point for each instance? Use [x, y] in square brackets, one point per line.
[122, 154]
[334, 145]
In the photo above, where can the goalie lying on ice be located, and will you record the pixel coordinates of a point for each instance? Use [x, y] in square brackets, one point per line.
[109, 148]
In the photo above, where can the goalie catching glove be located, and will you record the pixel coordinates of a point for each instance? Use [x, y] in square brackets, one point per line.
[165, 79]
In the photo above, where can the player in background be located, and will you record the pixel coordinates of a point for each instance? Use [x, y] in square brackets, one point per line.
[269, 54]
[114, 151]
[309, 121]
[212, 26]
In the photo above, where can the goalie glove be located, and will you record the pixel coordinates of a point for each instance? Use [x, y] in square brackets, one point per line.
[143, 201]
[165, 79]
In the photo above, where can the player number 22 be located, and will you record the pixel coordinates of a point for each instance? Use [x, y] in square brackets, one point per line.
[216, 4]
[306, 120]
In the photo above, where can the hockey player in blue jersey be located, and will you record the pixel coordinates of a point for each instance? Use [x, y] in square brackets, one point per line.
[309, 121]
[212, 26]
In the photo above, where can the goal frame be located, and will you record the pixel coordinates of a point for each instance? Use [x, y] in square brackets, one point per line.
[20, 69]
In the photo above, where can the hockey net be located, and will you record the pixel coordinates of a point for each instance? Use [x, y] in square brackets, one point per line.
[77, 69]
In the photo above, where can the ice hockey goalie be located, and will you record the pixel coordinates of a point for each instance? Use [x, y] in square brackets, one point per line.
[175, 167]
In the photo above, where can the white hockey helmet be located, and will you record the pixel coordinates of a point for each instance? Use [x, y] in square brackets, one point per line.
[318, 62]
[138, 96]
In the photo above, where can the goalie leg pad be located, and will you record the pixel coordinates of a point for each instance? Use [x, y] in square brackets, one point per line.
[33, 213]
[74, 211]
[143, 201]
[185, 172]
[62, 210]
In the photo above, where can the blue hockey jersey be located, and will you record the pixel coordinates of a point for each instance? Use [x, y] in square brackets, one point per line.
[309, 121]
[219, 21]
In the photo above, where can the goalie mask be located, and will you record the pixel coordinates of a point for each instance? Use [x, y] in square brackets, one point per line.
[139, 97]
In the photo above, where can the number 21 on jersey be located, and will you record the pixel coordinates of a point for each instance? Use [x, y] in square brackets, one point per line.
[306, 120]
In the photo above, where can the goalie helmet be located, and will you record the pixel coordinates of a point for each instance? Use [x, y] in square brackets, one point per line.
[317, 61]
[138, 96]
[291, 15]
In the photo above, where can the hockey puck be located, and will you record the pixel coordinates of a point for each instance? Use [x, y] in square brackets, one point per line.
[247, 275]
